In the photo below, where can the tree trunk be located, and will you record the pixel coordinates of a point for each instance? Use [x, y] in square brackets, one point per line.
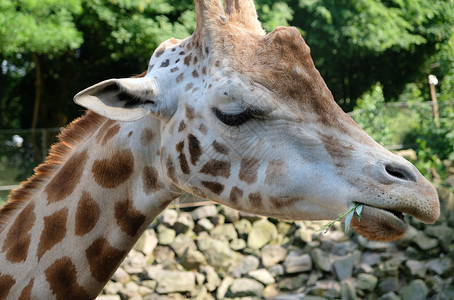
[39, 89]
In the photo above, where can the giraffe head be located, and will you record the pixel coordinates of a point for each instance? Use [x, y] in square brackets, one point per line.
[246, 120]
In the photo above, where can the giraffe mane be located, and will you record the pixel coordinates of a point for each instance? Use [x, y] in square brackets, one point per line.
[73, 135]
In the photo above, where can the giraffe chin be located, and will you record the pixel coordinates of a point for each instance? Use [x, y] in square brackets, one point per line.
[380, 225]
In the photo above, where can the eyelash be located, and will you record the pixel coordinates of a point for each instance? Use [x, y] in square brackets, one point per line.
[234, 119]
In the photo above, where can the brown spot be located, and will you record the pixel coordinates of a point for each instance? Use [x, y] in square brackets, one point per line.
[165, 63]
[189, 112]
[280, 203]
[187, 59]
[6, 283]
[159, 52]
[130, 133]
[66, 180]
[102, 130]
[275, 173]
[18, 239]
[150, 180]
[182, 53]
[335, 148]
[207, 51]
[182, 158]
[27, 291]
[217, 63]
[189, 86]
[171, 169]
[195, 74]
[103, 259]
[110, 173]
[174, 69]
[128, 217]
[62, 278]
[255, 199]
[146, 137]
[110, 133]
[216, 168]
[180, 77]
[195, 60]
[194, 90]
[203, 129]
[235, 195]
[54, 231]
[194, 149]
[87, 215]
[182, 126]
[248, 170]
[204, 70]
[220, 148]
[215, 187]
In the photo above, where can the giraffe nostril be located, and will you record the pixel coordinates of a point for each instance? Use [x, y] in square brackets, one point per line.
[400, 172]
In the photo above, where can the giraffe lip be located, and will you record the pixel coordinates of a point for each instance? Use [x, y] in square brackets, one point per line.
[380, 224]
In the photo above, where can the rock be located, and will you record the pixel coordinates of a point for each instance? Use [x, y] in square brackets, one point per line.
[440, 266]
[243, 287]
[424, 242]
[168, 217]
[304, 235]
[343, 267]
[321, 259]
[389, 296]
[270, 292]
[416, 268]
[243, 227]
[295, 263]
[389, 284]
[181, 243]
[245, 265]
[203, 225]
[366, 282]
[416, 290]
[192, 259]
[217, 219]
[292, 283]
[262, 275]
[276, 270]
[272, 255]
[212, 278]
[225, 231]
[174, 281]
[348, 291]
[163, 253]
[135, 263]
[263, 231]
[108, 297]
[238, 244]
[184, 223]
[147, 242]
[121, 276]
[217, 253]
[165, 235]
[205, 211]
[231, 215]
[224, 287]
[113, 288]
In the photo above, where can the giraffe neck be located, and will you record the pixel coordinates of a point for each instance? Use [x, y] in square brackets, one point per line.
[74, 230]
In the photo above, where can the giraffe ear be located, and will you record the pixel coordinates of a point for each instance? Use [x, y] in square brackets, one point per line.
[126, 99]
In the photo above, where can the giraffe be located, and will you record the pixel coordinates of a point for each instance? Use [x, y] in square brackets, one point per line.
[230, 114]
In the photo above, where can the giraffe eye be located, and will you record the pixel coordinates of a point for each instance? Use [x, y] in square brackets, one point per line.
[233, 119]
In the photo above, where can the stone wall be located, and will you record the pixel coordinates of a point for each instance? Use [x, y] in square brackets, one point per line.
[214, 252]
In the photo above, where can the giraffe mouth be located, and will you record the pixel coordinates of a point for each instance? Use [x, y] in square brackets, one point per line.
[380, 224]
